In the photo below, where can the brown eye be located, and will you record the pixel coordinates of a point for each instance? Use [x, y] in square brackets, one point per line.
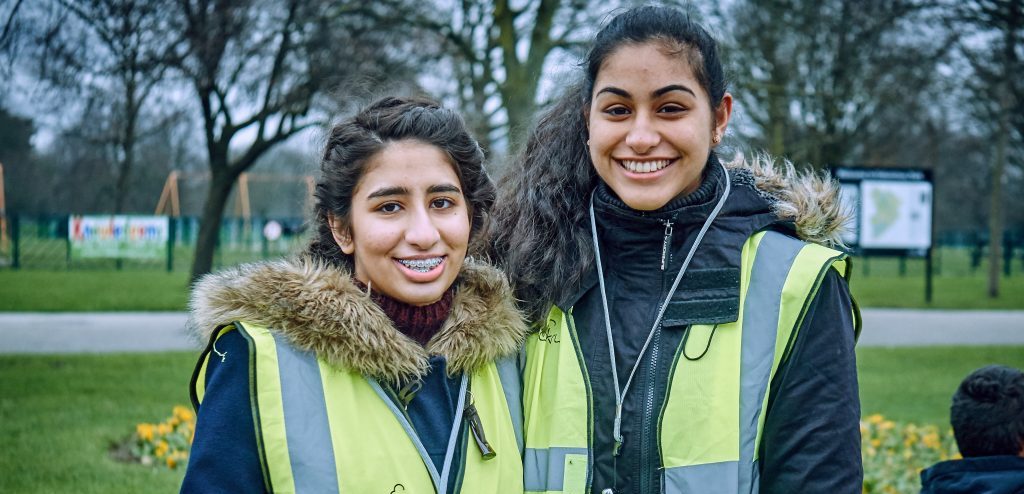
[672, 109]
[442, 203]
[617, 111]
[389, 208]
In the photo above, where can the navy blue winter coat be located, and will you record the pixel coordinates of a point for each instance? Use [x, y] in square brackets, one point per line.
[980, 475]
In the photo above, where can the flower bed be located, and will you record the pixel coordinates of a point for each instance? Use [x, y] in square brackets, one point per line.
[894, 454]
[165, 444]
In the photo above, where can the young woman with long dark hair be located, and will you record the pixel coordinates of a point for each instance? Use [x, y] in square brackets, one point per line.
[382, 360]
[694, 331]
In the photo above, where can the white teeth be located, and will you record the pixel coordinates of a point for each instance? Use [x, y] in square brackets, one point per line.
[645, 166]
[421, 265]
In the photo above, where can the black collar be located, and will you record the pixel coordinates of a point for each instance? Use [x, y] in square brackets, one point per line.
[709, 291]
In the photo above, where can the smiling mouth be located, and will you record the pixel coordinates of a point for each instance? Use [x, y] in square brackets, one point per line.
[648, 166]
[422, 265]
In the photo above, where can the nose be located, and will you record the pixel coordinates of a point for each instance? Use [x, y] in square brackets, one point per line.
[642, 136]
[421, 232]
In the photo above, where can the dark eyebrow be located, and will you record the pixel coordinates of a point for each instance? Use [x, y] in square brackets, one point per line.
[614, 90]
[657, 93]
[388, 191]
[673, 87]
[436, 189]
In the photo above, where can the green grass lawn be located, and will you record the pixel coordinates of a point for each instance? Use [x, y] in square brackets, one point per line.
[32, 290]
[60, 414]
[916, 384]
[949, 292]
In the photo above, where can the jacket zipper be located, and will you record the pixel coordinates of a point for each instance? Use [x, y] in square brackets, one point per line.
[647, 420]
[665, 245]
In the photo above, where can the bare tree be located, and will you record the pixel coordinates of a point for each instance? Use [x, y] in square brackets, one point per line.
[994, 51]
[9, 39]
[257, 69]
[814, 76]
[107, 53]
[499, 51]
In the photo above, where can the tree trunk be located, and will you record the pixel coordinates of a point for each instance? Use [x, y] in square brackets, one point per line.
[124, 172]
[127, 144]
[777, 111]
[519, 105]
[995, 216]
[209, 224]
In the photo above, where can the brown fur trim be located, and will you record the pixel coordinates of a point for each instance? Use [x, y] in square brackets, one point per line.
[318, 308]
[811, 200]
[483, 290]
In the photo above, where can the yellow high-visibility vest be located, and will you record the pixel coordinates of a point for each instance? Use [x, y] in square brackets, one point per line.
[712, 418]
[323, 429]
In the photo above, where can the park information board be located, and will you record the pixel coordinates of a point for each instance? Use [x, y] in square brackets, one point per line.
[892, 207]
[118, 237]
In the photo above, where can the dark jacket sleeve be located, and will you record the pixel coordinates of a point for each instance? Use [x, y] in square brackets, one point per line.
[811, 436]
[224, 456]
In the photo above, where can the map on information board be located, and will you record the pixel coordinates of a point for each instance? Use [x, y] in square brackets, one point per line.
[895, 214]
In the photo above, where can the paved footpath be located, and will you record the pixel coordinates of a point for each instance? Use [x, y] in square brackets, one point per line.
[92, 332]
[161, 331]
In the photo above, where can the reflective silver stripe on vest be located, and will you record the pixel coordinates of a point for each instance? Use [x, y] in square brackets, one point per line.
[305, 420]
[709, 478]
[449, 454]
[408, 430]
[544, 469]
[511, 384]
[772, 263]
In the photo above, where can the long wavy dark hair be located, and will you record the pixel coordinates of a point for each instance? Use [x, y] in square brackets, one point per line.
[353, 142]
[542, 237]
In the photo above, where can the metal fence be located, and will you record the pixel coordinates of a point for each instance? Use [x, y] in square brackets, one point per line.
[43, 242]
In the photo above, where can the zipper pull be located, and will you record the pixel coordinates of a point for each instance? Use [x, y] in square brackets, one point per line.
[477, 428]
[665, 243]
[617, 431]
[408, 392]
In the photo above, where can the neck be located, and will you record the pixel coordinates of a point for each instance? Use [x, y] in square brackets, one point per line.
[419, 322]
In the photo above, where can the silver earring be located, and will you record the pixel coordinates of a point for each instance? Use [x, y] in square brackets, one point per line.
[369, 283]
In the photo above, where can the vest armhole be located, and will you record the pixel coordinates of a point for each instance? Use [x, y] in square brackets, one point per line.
[854, 306]
[811, 295]
[774, 382]
[199, 372]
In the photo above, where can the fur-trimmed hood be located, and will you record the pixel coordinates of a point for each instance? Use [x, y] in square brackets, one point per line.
[318, 308]
[809, 200]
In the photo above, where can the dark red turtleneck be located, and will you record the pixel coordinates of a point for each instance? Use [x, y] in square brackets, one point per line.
[419, 322]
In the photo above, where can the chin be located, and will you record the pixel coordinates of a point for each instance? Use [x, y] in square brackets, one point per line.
[645, 202]
[422, 295]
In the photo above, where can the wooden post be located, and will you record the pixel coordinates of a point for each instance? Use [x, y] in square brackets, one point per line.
[170, 194]
[242, 205]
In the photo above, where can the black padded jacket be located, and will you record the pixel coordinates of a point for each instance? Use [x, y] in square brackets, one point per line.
[811, 436]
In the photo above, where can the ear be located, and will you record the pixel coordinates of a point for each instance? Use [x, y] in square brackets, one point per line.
[342, 235]
[722, 114]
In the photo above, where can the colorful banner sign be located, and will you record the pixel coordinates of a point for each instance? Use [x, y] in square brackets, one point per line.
[119, 237]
